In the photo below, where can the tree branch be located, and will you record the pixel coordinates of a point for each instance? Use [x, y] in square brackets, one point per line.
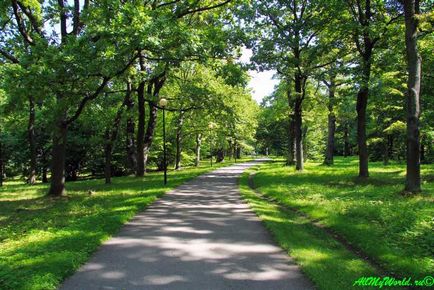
[9, 56]
[201, 9]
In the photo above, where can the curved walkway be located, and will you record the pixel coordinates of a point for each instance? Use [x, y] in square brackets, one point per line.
[200, 235]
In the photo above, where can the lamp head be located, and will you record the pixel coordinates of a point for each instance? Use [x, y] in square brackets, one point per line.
[163, 102]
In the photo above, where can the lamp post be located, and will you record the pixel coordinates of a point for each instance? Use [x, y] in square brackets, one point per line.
[163, 104]
[211, 126]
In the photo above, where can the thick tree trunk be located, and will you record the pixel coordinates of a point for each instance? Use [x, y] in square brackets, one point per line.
[32, 142]
[140, 146]
[238, 151]
[198, 144]
[230, 150]
[220, 155]
[413, 179]
[130, 145]
[57, 186]
[154, 88]
[298, 121]
[179, 141]
[298, 132]
[362, 101]
[331, 128]
[330, 139]
[290, 159]
[150, 130]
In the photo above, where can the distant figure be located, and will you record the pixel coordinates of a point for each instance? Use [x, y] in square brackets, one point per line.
[266, 151]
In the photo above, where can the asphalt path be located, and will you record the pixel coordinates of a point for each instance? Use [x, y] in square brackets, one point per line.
[201, 235]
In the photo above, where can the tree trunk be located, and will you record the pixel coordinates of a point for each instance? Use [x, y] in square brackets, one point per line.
[57, 186]
[140, 159]
[149, 136]
[220, 155]
[179, 141]
[154, 88]
[108, 148]
[346, 141]
[238, 151]
[386, 154]
[330, 139]
[112, 134]
[198, 144]
[362, 103]
[331, 121]
[230, 150]
[413, 180]
[298, 121]
[1, 164]
[32, 142]
[290, 160]
[130, 146]
[422, 152]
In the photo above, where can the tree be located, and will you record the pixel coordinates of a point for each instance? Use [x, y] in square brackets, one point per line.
[286, 37]
[368, 24]
[411, 12]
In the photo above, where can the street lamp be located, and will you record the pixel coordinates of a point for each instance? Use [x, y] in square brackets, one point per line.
[211, 126]
[163, 104]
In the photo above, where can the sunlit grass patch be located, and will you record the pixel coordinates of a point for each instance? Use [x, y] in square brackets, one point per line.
[395, 231]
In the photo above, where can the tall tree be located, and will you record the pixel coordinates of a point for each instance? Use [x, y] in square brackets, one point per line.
[286, 37]
[411, 12]
[368, 25]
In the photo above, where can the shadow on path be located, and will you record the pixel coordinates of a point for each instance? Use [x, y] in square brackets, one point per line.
[199, 236]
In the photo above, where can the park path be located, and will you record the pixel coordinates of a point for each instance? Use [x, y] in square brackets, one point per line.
[201, 235]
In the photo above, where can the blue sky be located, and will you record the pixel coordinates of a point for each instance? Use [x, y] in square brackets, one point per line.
[262, 83]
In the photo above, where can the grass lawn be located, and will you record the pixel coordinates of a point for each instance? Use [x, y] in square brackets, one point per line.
[43, 240]
[393, 231]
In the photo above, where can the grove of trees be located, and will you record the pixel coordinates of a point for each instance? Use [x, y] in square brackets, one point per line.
[80, 84]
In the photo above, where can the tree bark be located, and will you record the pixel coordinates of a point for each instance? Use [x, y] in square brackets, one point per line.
[178, 141]
[130, 146]
[108, 148]
[57, 187]
[414, 63]
[331, 127]
[346, 141]
[112, 134]
[220, 155]
[140, 153]
[150, 130]
[1, 164]
[154, 87]
[198, 145]
[32, 142]
[386, 154]
[298, 123]
[362, 103]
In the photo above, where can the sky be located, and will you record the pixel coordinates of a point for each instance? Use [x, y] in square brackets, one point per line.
[262, 83]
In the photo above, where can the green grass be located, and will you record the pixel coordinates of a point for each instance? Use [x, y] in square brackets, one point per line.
[43, 239]
[393, 231]
[325, 261]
